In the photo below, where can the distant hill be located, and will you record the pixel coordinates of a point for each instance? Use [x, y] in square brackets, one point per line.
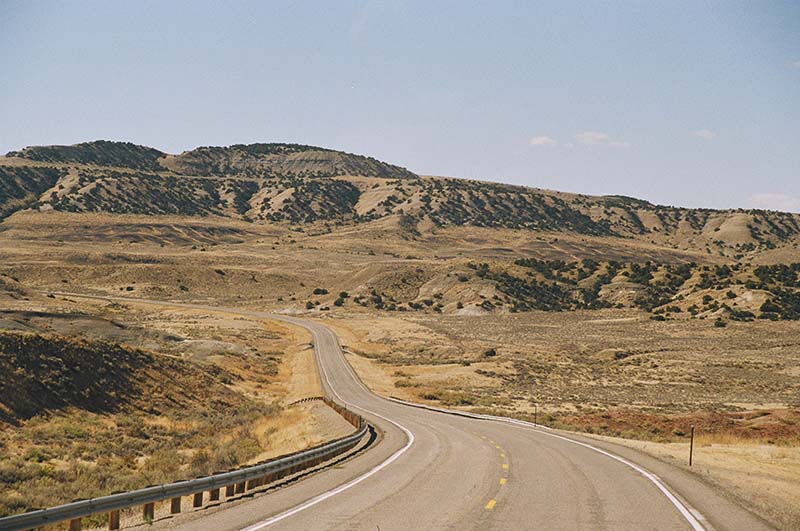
[253, 160]
[100, 152]
[297, 184]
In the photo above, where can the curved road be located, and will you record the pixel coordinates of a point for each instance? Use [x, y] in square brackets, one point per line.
[433, 470]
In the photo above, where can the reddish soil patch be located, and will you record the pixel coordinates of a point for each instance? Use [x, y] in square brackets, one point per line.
[777, 426]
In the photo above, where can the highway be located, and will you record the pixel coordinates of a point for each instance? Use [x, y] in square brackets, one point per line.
[432, 470]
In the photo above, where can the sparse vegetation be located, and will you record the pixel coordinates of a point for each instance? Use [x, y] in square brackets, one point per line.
[69, 405]
[252, 183]
[639, 318]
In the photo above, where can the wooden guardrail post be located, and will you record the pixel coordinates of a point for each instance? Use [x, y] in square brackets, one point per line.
[198, 499]
[75, 524]
[149, 512]
[113, 520]
[175, 505]
[213, 495]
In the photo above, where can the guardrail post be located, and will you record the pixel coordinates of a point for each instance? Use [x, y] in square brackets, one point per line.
[149, 512]
[289, 465]
[113, 520]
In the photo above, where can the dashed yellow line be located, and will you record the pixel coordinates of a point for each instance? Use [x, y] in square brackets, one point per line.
[503, 481]
[491, 504]
[503, 456]
[505, 466]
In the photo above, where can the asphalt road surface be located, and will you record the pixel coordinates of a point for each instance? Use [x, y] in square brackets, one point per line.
[433, 470]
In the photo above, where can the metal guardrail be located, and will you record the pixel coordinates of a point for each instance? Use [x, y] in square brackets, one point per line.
[235, 482]
[306, 399]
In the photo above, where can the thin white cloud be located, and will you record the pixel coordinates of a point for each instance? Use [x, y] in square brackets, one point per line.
[794, 64]
[592, 138]
[773, 201]
[599, 138]
[705, 134]
[543, 141]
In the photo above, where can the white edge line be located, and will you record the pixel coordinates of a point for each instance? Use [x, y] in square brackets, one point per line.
[688, 514]
[300, 322]
[333, 492]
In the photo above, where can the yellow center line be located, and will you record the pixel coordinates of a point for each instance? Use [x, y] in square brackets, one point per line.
[491, 504]
[503, 456]
[503, 481]
[505, 466]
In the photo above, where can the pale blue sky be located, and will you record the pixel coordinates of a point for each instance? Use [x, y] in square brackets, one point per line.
[684, 103]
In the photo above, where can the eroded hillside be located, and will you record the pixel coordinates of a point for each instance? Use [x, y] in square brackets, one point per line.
[303, 185]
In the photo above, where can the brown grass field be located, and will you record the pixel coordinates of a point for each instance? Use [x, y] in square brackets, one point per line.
[613, 372]
[231, 408]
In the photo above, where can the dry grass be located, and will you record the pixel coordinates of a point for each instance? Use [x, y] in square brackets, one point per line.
[766, 476]
[745, 406]
[62, 455]
[613, 368]
[613, 372]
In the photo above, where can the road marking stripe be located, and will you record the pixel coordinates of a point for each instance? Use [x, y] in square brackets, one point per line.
[691, 515]
[491, 504]
[503, 481]
[505, 466]
[333, 492]
[300, 322]
[503, 456]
